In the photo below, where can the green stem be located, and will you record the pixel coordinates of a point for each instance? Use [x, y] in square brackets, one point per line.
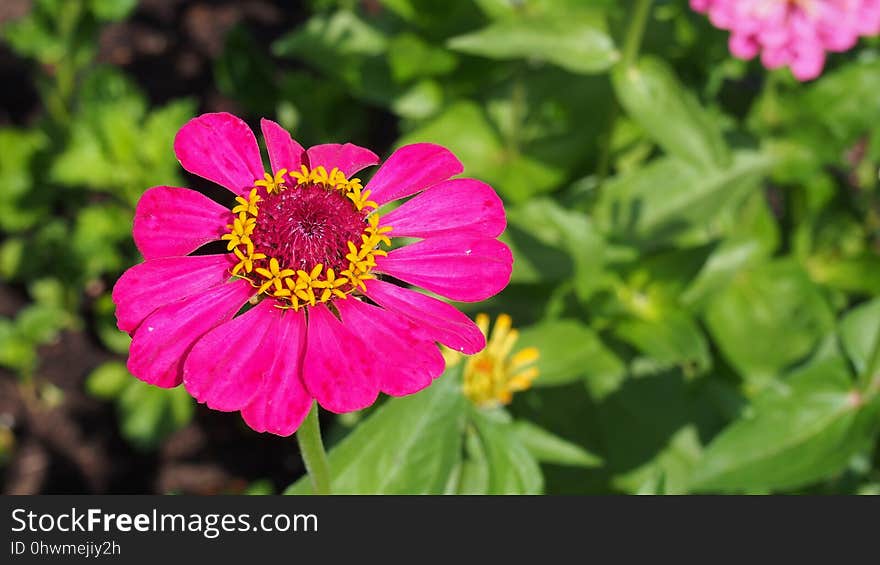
[312, 450]
[631, 45]
[635, 32]
[65, 70]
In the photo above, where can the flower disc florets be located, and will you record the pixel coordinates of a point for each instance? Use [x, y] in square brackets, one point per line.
[306, 237]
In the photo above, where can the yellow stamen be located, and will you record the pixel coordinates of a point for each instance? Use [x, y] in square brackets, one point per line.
[272, 184]
[293, 289]
[248, 205]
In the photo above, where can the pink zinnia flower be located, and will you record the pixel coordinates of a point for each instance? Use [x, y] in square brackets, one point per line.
[793, 33]
[305, 245]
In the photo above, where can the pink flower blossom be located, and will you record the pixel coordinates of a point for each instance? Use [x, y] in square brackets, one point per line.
[296, 311]
[793, 33]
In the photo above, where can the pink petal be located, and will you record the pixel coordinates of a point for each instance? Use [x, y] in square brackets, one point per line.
[743, 46]
[808, 65]
[221, 148]
[406, 362]
[463, 267]
[451, 206]
[176, 221]
[153, 284]
[282, 402]
[435, 319]
[284, 152]
[161, 343]
[412, 168]
[775, 58]
[348, 158]
[338, 367]
[226, 366]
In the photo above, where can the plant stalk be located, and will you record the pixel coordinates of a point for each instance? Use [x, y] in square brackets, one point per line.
[636, 32]
[311, 447]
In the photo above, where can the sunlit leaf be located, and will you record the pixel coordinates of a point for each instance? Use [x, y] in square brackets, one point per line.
[579, 43]
[570, 351]
[801, 434]
[512, 468]
[767, 319]
[410, 445]
[549, 448]
[668, 197]
[669, 113]
[860, 333]
[552, 243]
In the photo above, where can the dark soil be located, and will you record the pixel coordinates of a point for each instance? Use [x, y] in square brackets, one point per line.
[72, 445]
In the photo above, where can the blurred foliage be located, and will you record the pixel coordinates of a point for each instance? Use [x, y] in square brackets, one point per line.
[696, 238]
[147, 414]
[71, 182]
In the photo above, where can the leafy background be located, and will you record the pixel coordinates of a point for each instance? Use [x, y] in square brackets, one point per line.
[696, 242]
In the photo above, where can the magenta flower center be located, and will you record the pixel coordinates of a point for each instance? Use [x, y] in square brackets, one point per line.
[308, 226]
[307, 237]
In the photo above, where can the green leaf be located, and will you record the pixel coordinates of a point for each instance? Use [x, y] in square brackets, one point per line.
[16, 351]
[501, 9]
[434, 19]
[473, 472]
[97, 236]
[860, 331]
[48, 292]
[345, 47]
[807, 432]
[40, 322]
[549, 448]
[579, 43]
[552, 243]
[668, 197]
[36, 35]
[12, 254]
[422, 100]
[112, 10]
[570, 351]
[512, 468]
[20, 207]
[653, 485]
[17, 149]
[768, 318]
[859, 274]
[116, 145]
[843, 99]
[411, 57]
[105, 325]
[753, 239]
[260, 488]
[674, 338]
[108, 380]
[149, 414]
[669, 470]
[652, 96]
[651, 426]
[338, 35]
[466, 130]
[410, 445]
